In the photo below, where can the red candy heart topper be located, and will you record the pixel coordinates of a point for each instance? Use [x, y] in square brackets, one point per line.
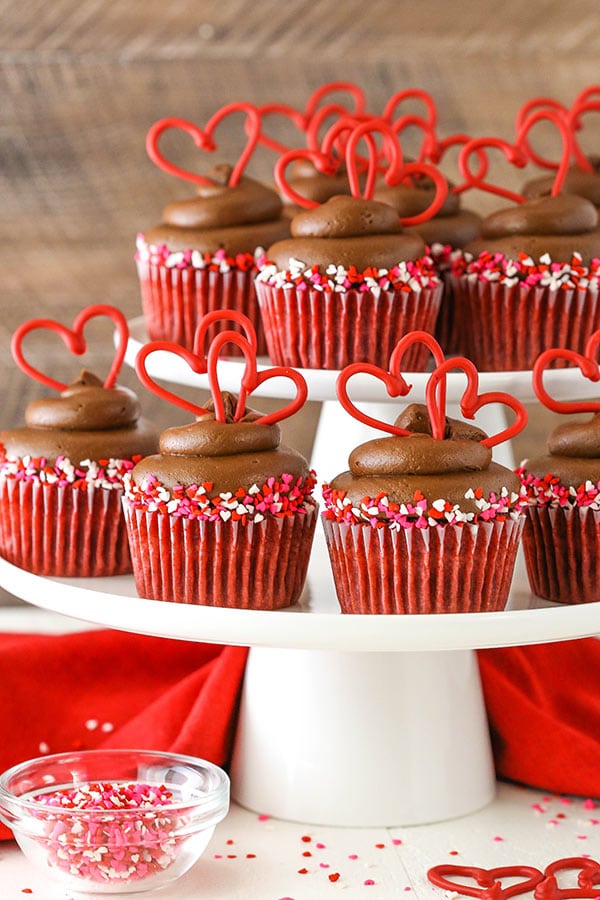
[74, 340]
[588, 366]
[472, 881]
[345, 135]
[204, 139]
[435, 392]
[202, 363]
[518, 154]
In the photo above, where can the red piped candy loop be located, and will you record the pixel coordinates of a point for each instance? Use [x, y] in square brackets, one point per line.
[471, 401]
[296, 117]
[393, 380]
[223, 315]
[560, 120]
[588, 366]
[537, 103]
[332, 87]
[488, 881]
[196, 363]
[399, 97]
[429, 145]
[74, 340]
[393, 152]
[477, 147]
[579, 108]
[203, 138]
[321, 161]
[588, 880]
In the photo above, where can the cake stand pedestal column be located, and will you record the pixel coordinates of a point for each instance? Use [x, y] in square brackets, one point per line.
[362, 738]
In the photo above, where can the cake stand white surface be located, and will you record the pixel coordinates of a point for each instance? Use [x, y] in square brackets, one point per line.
[344, 720]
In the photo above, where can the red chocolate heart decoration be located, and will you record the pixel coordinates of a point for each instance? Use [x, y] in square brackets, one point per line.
[296, 117]
[588, 880]
[488, 881]
[223, 315]
[395, 384]
[74, 340]
[523, 114]
[471, 401]
[204, 139]
[478, 147]
[588, 366]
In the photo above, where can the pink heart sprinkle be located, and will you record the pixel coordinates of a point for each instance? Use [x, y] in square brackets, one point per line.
[353, 856]
[396, 842]
[369, 881]
[324, 865]
[320, 846]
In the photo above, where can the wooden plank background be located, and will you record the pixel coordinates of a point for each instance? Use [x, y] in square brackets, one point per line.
[82, 80]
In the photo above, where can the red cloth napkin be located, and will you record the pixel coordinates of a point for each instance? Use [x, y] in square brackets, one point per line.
[113, 689]
[543, 705]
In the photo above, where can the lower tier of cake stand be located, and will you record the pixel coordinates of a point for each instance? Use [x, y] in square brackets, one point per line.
[362, 738]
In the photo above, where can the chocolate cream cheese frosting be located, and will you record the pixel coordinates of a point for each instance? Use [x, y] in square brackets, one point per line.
[560, 226]
[451, 225]
[227, 454]
[86, 421]
[347, 231]
[307, 181]
[577, 181]
[398, 466]
[573, 453]
[238, 219]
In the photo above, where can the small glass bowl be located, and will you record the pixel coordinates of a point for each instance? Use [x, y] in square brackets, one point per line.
[113, 821]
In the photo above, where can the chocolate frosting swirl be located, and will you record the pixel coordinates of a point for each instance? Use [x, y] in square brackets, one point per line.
[87, 421]
[307, 181]
[228, 454]
[347, 231]
[400, 465]
[573, 453]
[238, 219]
[577, 181]
[451, 225]
[560, 226]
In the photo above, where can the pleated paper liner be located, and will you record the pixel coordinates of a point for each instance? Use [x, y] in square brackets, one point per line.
[63, 531]
[314, 329]
[562, 548]
[190, 560]
[511, 325]
[449, 569]
[175, 300]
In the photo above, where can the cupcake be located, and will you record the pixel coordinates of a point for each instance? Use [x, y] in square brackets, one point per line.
[350, 282]
[61, 473]
[424, 521]
[223, 515]
[530, 281]
[451, 229]
[203, 254]
[561, 539]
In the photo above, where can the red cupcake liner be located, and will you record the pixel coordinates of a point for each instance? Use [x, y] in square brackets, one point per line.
[175, 300]
[511, 326]
[562, 548]
[253, 566]
[457, 568]
[63, 531]
[311, 329]
[453, 321]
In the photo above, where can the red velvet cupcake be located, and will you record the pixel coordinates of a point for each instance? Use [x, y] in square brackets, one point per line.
[423, 521]
[203, 255]
[350, 282]
[561, 539]
[224, 514]
[61, 475]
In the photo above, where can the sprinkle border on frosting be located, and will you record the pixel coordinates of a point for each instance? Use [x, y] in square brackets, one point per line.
[219, 261]
[407, 276]
[102, 473]
[550, 492]
[279, 497]
[498, 268]
[380, 511]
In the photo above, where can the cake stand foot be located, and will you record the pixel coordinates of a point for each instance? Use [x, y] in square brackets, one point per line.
[362, 739]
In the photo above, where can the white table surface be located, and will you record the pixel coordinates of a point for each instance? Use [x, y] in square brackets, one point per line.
[251, 857]
[255, 858]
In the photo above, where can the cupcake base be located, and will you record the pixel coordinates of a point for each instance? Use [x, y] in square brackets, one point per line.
[63, 531]
[562, 549]
[174, 300]
[450, 569]
[314, 329]
[511, 325]
[253, 566]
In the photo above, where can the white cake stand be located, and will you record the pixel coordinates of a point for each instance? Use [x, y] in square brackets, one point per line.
[345, 720]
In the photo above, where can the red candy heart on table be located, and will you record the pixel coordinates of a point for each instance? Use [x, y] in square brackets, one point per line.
[588, 366]
[588, 880]
[203, 138]
[488, 882]
[74, 340]
[203, 363]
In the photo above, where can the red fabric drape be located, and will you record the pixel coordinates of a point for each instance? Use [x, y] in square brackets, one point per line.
[113, 689]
